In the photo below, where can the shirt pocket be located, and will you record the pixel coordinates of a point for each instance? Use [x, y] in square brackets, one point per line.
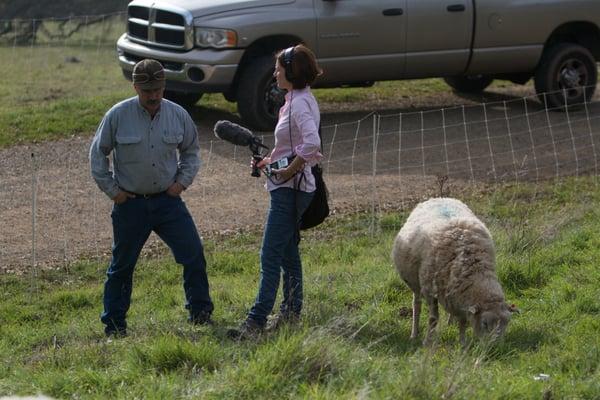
[170, 142]
[129, 148]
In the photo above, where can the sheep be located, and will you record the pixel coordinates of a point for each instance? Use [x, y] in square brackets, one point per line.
[445, 254]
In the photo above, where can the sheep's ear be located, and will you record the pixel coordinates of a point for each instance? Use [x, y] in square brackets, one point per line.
[513, 308]
[472, 310]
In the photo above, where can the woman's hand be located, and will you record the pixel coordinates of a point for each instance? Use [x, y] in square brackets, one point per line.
[261, 163]
[284, 173]
[288, 172]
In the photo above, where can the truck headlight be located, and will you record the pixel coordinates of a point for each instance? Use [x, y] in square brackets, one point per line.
[219, 38]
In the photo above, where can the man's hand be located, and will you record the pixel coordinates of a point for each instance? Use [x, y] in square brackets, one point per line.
[175, 189]
[122, 197]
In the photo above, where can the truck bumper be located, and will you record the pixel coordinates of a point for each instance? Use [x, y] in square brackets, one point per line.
[197, 70]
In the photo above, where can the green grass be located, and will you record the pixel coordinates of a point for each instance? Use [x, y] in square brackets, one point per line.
[353, 341]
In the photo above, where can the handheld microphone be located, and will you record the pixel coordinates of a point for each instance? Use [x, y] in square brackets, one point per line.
[240, 136]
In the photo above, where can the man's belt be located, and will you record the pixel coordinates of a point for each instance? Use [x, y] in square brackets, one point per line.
[147, 196]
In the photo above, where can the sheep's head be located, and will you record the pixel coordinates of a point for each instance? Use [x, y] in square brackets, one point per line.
[491, 321]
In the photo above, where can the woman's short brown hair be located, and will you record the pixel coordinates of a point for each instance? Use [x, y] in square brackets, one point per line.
[301, 66]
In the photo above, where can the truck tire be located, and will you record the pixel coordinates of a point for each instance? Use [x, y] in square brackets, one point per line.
[259, 98]
[469, 83]
[567, 71]
[185, 100]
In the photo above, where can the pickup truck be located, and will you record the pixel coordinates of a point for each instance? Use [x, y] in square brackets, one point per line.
[227, 46]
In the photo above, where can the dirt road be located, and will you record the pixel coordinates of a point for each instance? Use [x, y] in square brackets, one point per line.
[371, 163]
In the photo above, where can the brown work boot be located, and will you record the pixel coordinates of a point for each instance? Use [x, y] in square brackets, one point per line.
[248, 330]
[280, 320]
[201, 318]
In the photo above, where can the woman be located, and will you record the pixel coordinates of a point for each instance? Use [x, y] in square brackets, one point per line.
[291, 188]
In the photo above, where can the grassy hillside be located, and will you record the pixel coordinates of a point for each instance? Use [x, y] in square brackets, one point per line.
[62, 83]
[10, 9]
[353, 341]
[86, 81]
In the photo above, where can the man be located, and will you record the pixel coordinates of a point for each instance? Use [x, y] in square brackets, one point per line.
[144, 135]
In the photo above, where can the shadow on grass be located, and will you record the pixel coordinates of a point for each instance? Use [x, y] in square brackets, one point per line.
[390, 339]
[520, 338]
[207, 116]
[396, 343]
[494, 97]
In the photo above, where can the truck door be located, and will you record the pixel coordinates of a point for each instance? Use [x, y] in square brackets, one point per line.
[438, 37]
[361, 40]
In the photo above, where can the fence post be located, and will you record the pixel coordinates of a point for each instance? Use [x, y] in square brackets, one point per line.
[373, 176]
[65, 206]
[33, 219]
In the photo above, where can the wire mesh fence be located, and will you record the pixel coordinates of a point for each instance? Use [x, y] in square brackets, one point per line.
[54, 214]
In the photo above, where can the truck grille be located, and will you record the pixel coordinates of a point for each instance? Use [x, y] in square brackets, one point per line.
[169, 65]
[160, 27]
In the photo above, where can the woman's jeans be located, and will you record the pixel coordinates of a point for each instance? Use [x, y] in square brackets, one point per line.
[133, 221]
[280, 253]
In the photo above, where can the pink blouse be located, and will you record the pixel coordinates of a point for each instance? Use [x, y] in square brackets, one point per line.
[299, 120]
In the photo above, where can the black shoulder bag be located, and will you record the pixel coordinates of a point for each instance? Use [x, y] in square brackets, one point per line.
[318, 208]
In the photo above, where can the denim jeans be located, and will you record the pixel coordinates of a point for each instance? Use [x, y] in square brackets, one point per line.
[280, 253]
[133, 221]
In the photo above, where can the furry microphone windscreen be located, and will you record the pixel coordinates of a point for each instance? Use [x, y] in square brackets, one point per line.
[233, 133]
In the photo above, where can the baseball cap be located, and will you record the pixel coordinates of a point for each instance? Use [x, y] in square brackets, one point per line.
[148, 74]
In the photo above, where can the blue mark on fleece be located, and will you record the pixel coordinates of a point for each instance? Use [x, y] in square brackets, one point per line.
[446, 211]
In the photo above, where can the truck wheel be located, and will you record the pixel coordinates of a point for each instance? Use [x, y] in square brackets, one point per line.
[469, 83]
[259, 98]
[183, 99]
[567, 72]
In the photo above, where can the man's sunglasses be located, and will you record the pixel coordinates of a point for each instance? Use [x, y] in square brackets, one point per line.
[144, 77]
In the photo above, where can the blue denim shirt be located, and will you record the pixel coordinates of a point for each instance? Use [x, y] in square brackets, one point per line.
[144, 150]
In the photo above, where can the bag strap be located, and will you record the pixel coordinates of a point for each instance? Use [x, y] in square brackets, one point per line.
[320, 137]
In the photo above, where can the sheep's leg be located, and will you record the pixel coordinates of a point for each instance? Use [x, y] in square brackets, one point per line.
[416, 313]
[432, 303]
[462, 327]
